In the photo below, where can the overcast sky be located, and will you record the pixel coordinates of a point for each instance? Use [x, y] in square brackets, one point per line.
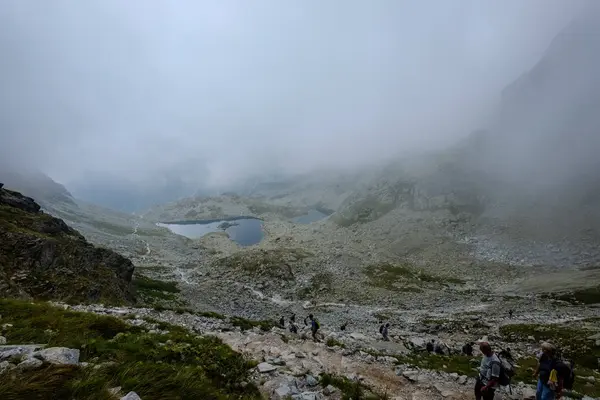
[226, 89]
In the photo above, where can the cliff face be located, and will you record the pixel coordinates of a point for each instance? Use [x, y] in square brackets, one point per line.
[43, 258]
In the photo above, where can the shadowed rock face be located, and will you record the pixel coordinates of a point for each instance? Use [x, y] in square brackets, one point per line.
[42, 257]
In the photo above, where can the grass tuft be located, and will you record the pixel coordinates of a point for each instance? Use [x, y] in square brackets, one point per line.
[173, 365]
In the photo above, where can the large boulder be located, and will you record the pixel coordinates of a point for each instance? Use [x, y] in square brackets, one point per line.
[58, 355]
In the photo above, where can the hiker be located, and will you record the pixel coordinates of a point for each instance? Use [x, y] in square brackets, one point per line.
[439, 348]
[293, 328]
[550, 382]
[282, 322]
[314, 326]
[489, 373]
[510, 313]
[468, 349]
[293, 318]
[383, 329]
[429, 346]
[506, 354]
[343, 327]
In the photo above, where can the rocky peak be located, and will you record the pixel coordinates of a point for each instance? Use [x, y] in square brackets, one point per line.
[42, 257]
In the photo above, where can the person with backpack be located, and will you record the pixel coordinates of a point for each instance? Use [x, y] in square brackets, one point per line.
[468, 349]
[282, 322]
[429, 346]
[550, 382]
[314, 326]
[383, 329]
[489, 373]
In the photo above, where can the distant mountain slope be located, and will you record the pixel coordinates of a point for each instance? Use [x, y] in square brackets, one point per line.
[35, 184]
[42, 258]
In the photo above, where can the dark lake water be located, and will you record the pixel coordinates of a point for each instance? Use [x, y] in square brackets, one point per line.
[244, 231]
[311, 216]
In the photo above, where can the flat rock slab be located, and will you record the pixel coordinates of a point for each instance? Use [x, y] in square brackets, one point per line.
[58, 355]
[266, 367]
[29, 364]
[131, 396]
[9, 351]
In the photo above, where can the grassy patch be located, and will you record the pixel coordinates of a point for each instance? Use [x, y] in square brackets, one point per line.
[153, 289]
[404, 277]
[332, 342]
[582, 296]
[367, 210]
[350, 390]
[274, 263]
[247, 324]
[460, 364]
[320, 281]
[174, 365]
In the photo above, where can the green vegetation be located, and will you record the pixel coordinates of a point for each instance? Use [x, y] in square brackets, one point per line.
[275, 263]
[174, 365]
[404, 277]
[582, 296]
[247, 324]
[332, 342]
[152, 290]
[350, 390]
[320, 281]
[285, 211]
[460, 364]
[367, 210]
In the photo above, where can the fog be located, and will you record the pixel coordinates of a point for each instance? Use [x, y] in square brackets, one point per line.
[211, 93]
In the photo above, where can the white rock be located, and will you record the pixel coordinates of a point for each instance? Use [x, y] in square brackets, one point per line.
[5, 366]
[329, 390]
[283, 391]
[311, 380]
[2, 340]
[266, 367]
[29, 364]
[58, 355]
[453, 375]
[462, 379]
[359, 336]
[131, 396]
[115, 390]
[411, 375]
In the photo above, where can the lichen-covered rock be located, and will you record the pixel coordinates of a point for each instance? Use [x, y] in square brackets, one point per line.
[58, 355]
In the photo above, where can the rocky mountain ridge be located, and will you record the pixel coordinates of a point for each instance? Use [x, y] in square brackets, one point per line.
[42, 257]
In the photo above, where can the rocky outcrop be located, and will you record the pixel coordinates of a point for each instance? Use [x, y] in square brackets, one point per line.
[42, 257]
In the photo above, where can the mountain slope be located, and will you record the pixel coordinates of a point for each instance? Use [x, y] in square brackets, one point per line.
[41, 257]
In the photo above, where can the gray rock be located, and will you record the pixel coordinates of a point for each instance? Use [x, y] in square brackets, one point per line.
[329, 390]
[411, 375]
[311, 380]
[278, 361]
[58, 355]
[5, 366]
[300, 355]
[115, 391]
[266, 367]
[462, 379]
[305, 396]
[10, 351]
[29, 364]
[453, 375]
[283, 391]
[2, 340]
[359, 336]
[131, 396]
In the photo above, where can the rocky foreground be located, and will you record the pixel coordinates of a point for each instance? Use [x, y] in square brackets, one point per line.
[345, 364]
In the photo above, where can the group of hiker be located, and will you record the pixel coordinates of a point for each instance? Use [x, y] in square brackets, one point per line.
[310, 319]
[496, 369]
[553, 374]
